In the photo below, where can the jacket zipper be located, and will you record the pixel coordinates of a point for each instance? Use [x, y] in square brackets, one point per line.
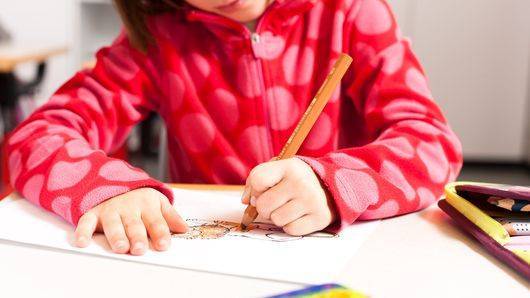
[255, 39]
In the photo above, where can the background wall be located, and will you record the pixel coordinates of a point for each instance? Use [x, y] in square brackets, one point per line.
[47, 21]
[476, 54]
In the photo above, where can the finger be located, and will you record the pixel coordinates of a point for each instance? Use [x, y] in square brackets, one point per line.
[288, 213]
[273, 199]
[85, 229]
[115, 233]
[302, 226]
[265, 176]
[157, 228]
[245, 197]
[174, 221]
[135, 229]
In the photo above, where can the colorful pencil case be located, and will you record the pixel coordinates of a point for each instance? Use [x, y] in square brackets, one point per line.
[322, 291]
[472, 208]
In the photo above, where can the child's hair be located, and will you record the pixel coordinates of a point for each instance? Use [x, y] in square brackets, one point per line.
[134, 13]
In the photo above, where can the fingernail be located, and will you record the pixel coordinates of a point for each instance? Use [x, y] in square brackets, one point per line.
[120, 245]
[253, 201]
[163, 244]
[138, 248]
[245, 194]
[82, 241]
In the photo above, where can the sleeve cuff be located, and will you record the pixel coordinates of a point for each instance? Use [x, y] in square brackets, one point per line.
[101, 194]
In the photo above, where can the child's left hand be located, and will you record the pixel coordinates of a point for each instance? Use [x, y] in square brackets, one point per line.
[289, 193]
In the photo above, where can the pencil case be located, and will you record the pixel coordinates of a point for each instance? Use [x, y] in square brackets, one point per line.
[474, 207]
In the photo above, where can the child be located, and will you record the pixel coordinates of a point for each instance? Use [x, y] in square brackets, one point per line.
[231, 79]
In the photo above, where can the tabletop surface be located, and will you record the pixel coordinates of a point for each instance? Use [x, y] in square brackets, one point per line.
[14, 53]
[417, 255]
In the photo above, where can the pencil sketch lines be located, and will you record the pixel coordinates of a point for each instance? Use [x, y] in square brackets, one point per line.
[217, 229]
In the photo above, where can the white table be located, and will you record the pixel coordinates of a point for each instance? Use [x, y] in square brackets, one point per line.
[417, 255]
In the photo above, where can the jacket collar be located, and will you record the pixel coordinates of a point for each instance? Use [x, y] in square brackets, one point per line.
[279, 13]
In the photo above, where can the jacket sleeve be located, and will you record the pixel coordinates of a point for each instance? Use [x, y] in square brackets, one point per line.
[413, 152]
[58, 156]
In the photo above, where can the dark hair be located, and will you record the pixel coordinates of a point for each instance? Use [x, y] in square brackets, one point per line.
[134, 14]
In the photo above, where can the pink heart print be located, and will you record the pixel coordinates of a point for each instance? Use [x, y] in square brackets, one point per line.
[269, 46]
[117, 170]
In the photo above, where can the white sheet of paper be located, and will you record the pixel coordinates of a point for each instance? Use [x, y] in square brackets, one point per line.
[257, 254]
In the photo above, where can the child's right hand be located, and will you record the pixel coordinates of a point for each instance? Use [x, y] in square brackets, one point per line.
[127, 219]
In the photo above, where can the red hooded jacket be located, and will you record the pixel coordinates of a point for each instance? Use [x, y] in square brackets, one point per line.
[230, 99]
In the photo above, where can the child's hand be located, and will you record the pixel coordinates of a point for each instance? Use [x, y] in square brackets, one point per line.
[127, 219]
[289, 193]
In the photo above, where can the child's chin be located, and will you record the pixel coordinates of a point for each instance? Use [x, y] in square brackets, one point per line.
[252, 13]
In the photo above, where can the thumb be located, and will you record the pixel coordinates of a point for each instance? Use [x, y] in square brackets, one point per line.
[175, 223]
[265, 176]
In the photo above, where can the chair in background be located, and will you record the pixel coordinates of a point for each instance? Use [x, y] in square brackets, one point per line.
[12, 88]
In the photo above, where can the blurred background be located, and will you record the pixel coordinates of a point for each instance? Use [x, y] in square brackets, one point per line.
[476, 54]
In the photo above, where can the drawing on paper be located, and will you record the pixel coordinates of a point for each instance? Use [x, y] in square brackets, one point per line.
[202, 229]
[216, 229]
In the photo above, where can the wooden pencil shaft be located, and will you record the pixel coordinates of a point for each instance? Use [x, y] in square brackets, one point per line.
[316, 107]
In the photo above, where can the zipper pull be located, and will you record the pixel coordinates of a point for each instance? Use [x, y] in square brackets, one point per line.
[255, 38]
[255, 45]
